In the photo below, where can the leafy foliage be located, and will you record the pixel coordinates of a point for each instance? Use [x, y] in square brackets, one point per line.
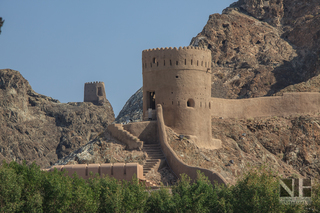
[28, 189]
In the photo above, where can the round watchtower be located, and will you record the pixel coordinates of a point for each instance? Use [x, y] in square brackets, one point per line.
[180, 80]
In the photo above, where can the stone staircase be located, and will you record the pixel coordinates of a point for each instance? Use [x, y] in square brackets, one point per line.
[155, 157]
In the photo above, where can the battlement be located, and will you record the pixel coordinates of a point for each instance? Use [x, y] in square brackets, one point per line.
[184, 58]
[95, 82]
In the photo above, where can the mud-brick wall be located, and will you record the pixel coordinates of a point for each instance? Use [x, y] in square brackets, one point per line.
[294, 103]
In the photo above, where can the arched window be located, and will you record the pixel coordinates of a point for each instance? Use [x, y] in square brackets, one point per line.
[190, 103]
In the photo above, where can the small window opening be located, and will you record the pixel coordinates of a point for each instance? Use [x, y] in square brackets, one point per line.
[191, 61]
[171, 92]
[172, 102]
[185, 61]
[190, 103]
[177, 62]
[200, 104]
[170, 63]
[178, 103]
[177, 76]
[164, 62]
[158, 64]
[154, 60]
[202, 63]
[209, 105]
[197, 63]
[205, 64]
[150, 64]
[99, 91]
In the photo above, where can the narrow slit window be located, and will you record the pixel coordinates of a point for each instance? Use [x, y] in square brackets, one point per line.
[205, 64]
[197, 63]
[185, 61]
[209, 105]
[177, 62]
[164, 62]
[202, 63]
[170, 63]
[191, 61]
[150, 64]
[158, 64]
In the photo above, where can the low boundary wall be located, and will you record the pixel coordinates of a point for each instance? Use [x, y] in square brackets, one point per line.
[120, 171]
[288, 104]
[176, 165]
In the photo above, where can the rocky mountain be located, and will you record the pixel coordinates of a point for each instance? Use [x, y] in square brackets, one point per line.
[132, 109]
[38, 128]
[260, 48]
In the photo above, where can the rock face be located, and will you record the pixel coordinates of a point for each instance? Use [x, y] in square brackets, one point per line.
[35, 127]
[288, 145]
[132, 109]
[261, 48]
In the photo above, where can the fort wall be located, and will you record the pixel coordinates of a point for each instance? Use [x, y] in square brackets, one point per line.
[176, 165]
[117, 131]
[289, 104]
[120, 171]
[146, 131]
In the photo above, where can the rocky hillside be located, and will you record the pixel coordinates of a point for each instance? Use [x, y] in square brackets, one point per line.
[261, 48]
[35, 127]
[288, 145]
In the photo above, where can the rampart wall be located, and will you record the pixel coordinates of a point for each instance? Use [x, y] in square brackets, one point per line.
[132, 142]
[289, 104]
[120, 171]
[146, 131]
[176, 165]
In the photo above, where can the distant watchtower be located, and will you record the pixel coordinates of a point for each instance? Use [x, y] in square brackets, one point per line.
[94, 92]
[180, 80]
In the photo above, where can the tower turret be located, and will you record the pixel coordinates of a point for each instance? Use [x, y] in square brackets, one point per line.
[94, 92]
[180, 80]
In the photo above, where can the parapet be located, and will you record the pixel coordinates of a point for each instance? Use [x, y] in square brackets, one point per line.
[189, 57]
[95, 82]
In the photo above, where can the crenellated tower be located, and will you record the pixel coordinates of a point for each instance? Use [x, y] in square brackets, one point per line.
[180, 80]
[94, 92]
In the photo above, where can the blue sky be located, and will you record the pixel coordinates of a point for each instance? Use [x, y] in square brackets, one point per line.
[59, 45]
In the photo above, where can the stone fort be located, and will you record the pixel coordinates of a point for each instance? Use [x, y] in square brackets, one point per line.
[177, 94]
[94, 92]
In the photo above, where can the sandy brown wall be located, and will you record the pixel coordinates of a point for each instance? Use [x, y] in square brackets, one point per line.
[120, 171]
[288, 104]
[117, 131]
[176, 165]
[146, 131]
